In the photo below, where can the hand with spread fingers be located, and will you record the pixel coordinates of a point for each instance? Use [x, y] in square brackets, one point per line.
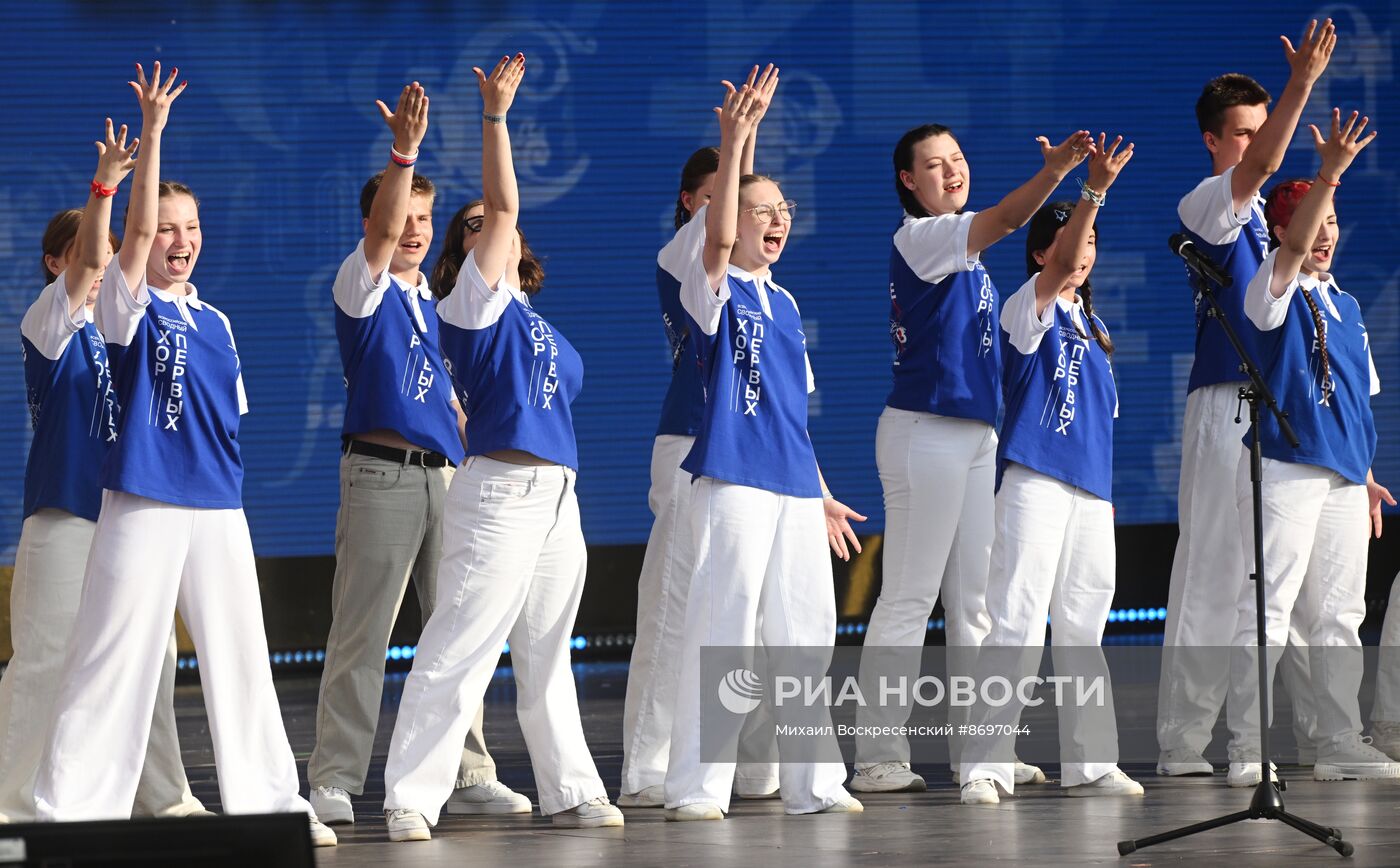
[499, 88]
[838, 527]
[764, 87]
[1314, 51]
[1062, 158]
[1340, 148]
[1106, 161]
[156, 97]
[115, 158]
[409, 119]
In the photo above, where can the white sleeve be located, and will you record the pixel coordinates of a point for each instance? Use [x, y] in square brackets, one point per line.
[686, 262]
[242, 394]
[1018, 319]
[1375, 377]
[1209, 210]
[811, 379]
[472, 304]
[356, 291]
[118, 314]
[1266, 312]
[687, 244]
[935, 247]
[48, 324]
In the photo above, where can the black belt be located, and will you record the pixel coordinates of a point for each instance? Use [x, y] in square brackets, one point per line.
[414, 457]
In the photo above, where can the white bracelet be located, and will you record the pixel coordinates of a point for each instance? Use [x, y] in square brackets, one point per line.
[493, 119]
[1089, 194]
[402, 159]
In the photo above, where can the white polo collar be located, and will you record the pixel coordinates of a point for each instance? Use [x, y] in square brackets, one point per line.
[423, 291]
[182, 303]
[764, 282]
[1324, 282]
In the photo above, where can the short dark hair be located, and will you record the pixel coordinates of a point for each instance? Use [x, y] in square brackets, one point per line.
[421, 186]
[1225, 92]
[904, 162]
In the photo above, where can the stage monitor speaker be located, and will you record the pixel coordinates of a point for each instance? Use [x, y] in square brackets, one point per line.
[241, 841]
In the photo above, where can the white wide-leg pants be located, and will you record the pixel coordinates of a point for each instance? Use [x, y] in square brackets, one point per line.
[761, 568]
[148, 559]
[513, 566]
[1387, 705]
[662, 590]
[1208, 571]
[1316, 532]
[48, 582]
[938, 474]
[1054, 555]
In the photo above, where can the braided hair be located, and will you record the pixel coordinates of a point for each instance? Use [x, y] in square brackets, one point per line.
[1040, 234]
[1279, 206]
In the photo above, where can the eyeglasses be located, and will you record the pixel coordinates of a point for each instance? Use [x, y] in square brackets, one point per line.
[764, 213]
[474, 224]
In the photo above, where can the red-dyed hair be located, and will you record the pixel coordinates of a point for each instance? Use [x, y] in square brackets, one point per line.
[1281, 202]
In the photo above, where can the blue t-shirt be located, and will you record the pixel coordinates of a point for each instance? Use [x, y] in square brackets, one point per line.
[176, 373]
[1060, 396]
[515, 374]
[388, 335]
[943, 309]
[684, 406]
[757, 378]
[1237, 243]
[1332, 419]
[72, 405]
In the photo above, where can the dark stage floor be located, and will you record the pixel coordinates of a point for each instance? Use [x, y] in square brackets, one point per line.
[1038, 826]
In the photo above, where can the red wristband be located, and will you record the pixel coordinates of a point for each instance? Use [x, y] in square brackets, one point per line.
[1327, 182]
[102, 192]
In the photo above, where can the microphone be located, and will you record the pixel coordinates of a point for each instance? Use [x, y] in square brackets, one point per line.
[1198, 261]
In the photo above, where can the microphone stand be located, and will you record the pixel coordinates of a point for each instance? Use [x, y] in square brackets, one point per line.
[1267, 803]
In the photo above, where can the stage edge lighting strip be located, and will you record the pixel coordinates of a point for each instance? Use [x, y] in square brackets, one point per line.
[605, 641]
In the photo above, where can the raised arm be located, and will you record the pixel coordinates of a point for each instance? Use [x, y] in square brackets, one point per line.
[1337, 152]
[1011, 213]
[115, 160]
[389, 212]
[1105, 162]
[736, 119]
[1265, 152]
[155, 99]
[764, 100]
[500, 198]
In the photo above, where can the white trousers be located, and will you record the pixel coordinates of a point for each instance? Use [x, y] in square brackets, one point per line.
[662, 590]
[938, 474]
[148, 559]
[1387, 705]
[513, 565]
[1316, 535]
[1054, 555]
[761, 568]
[48, 581]
[1208, 571]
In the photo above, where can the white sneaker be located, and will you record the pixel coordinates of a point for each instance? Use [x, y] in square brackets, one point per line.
[1183, 762]
[492, 797]
[980, 792]
[321, 835]
[1385, 737]
[1246, 774]
[589, 815]
[697, 811]
[332, 805]
[406, 824]
[1026, 773]
[1023, 773]
[1115, 783]
[844, 805]
[1354, 758]
[647, 797]
[887, 777]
